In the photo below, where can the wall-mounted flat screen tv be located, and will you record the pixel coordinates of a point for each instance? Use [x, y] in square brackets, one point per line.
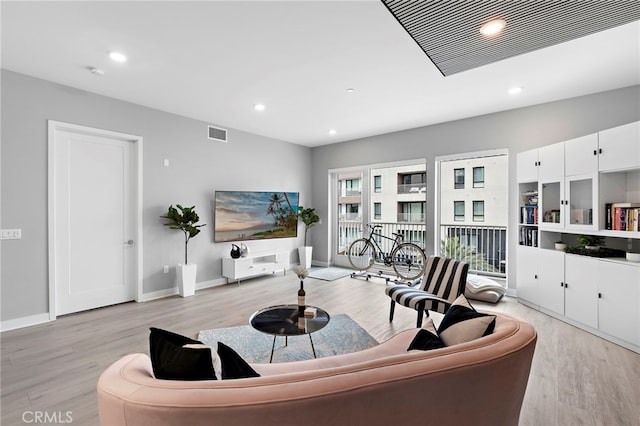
[252, 215]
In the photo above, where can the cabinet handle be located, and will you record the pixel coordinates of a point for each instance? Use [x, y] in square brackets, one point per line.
[599, 295]
[595, 152]
[561, 284]
[600, 150]
[535, 276]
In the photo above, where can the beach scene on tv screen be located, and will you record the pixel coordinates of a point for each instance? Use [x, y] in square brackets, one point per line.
[249, 215]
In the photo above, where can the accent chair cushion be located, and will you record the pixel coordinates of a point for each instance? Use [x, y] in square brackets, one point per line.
[426, 338]
[462, 323]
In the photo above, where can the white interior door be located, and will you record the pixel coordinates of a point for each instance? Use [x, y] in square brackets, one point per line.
[94, 219]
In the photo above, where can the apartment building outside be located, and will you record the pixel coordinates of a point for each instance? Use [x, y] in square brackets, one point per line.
[473, 208]
[395, 198]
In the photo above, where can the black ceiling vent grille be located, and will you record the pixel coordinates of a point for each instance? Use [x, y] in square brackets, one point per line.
[217, 134]
[448, 30]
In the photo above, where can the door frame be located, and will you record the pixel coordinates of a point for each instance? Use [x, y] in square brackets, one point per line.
[53, 127]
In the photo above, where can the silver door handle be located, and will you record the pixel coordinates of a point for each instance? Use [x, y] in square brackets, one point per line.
[130, 242]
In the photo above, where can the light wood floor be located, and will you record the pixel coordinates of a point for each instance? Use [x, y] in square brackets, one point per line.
[576, 378]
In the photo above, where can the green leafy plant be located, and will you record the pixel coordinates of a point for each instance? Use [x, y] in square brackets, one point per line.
[590, 240]
[453, 248]
[185, 219]
[309, 217]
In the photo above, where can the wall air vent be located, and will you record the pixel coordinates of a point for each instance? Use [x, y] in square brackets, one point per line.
[217, 134]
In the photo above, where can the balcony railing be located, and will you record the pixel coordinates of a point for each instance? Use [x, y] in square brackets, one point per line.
[411, 217]
[412, 188]
[348, 232]
[350, 217]
[483, 247]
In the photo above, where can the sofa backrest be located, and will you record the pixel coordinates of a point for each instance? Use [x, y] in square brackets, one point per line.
[385, 384]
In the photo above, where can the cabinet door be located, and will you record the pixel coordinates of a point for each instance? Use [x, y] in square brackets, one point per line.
[619, 148]
[551, 162]
[526, 274]
[581, 291]
[551, 210]
[580, 206]
[551, 280]
[580, 155]
[527, 166]
[619, 301]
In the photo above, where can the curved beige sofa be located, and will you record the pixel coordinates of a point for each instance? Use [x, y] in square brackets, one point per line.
[480, 382]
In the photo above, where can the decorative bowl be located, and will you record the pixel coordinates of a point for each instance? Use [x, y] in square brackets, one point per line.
[633, 257]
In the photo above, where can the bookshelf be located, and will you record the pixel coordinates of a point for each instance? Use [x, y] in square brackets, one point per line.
[590, 186]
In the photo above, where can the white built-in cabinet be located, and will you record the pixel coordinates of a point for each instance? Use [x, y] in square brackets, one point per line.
[563, 189]
[618, 148]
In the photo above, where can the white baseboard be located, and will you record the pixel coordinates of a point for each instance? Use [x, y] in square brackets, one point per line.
[159, 294]
[512, 292]
[174, 290]
[211, 283]
[16, 323]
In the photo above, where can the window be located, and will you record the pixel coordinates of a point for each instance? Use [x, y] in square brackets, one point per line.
[377, 211]
[411, 212]
[377, 183]
[478, 177]
[458, 178]
[478, 211]
[352, 187]
[458, 211]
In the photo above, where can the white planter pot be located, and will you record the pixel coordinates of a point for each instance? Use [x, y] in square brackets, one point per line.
[187, 279]
[305, 256]
[560, 246]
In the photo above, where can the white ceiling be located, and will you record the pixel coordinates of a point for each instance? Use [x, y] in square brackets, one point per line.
[213, 60]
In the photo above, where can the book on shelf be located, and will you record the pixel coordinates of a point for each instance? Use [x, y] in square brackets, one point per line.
[581, 216]
[624, 216]
[529, 214]
[529, 237]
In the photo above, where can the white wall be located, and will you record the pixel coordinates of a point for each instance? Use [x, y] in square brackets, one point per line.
[515, 130]
[198, 167]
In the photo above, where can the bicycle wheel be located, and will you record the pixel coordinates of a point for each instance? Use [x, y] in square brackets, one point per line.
[408, 261]
[361, 254]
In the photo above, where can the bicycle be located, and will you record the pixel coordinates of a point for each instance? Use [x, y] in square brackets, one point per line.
[407, 259]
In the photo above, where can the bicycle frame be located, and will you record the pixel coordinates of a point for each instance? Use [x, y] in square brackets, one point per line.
[396, 241]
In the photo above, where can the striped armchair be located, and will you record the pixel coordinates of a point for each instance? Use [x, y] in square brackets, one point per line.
[443, 281]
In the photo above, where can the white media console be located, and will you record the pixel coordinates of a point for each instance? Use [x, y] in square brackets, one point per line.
[259, 263]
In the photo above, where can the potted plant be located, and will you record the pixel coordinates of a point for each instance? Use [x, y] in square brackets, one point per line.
[186, 220]
[560, 245]
[591, 242]
[310, 218]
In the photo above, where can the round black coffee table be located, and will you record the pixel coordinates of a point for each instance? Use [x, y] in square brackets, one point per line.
[284, 320]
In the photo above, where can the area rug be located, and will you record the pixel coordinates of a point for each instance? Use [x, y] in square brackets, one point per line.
[341, 335]
[329, 274]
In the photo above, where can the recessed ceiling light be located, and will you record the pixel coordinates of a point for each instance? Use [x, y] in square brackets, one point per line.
[332, 132]
[259, 107]
[117, 57]
[493, 27]
[515, 90]
[351, 90]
